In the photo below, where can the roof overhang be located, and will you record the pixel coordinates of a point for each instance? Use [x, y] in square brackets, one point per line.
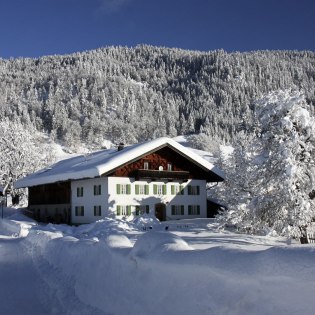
[105, 162]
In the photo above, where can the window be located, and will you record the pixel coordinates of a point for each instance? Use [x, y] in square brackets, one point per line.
[97, 190]
[169, 167]
[146, 165]
[79, 191]
[79, 211]
[177, 189]
[193, 190]
[194, 210]
[141, 209]
[123, 210]
[123, 189]
[142, 189]
[159, 189]
[97, 211]
[177, 210]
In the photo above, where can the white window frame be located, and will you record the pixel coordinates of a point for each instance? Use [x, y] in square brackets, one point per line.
[194, 209]
[97, 190]
[123, 189]
[141, 189]
[80, 191]
[97, 211]
[194, 190]
[79, 211]
[159, 189]
[142, 209]
[177, 210]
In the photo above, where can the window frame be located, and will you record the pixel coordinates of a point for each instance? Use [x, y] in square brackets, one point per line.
[123, 210]
[79, 211]
[97, 190]
[159, 189]
[178, 210]
[80, 191]
[97, 211]
[193, 209]
[193, 190]
[123, 189]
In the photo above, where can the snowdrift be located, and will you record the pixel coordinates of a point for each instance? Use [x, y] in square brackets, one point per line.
[115, 267]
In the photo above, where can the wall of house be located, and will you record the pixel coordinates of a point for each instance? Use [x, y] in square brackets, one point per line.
[88, 199]
[121, 197]
[56, 213]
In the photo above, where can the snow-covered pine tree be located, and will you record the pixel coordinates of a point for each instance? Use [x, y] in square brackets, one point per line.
[278, 167]
[19, 153]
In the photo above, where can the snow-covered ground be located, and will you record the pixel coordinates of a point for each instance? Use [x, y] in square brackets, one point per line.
[144, 267]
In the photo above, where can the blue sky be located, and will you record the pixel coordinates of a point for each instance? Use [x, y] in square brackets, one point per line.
[32, 28]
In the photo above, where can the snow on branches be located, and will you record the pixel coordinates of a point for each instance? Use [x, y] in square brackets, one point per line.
[21, 153]
[277, 167]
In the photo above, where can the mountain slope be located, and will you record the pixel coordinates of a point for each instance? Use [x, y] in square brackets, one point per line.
[134, 94]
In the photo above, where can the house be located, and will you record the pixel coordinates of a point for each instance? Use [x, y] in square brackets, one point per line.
[160, 177]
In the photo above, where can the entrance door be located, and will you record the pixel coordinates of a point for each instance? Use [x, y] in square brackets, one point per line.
[160, 211]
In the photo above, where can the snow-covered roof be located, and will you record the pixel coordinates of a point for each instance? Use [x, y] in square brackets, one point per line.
[103, 162]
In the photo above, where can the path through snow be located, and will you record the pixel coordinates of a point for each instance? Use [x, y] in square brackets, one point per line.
[116, 268]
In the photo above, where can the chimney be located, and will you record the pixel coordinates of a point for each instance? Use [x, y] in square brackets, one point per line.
[120, 146]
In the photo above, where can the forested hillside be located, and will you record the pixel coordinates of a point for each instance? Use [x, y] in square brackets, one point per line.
[134, 94]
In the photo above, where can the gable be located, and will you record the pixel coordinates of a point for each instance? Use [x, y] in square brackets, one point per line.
[158, 167]
[128, 162]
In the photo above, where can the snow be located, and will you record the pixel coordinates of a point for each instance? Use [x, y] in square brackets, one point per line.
[178, 267]
[102, 162]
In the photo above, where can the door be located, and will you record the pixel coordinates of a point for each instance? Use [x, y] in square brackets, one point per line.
[160, 211]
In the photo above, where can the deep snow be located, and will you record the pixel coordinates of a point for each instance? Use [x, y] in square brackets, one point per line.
[117, 267]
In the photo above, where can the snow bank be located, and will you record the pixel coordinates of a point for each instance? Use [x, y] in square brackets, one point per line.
[155, 243]
[146, 221]
[95, 269]
[16, 225]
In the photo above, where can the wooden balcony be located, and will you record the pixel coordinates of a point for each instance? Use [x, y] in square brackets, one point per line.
[164, 175]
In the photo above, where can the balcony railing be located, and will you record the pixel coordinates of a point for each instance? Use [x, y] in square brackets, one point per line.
[156, 174]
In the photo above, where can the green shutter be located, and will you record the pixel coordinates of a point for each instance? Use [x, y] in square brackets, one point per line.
[137, 210]
[182, 190]
[189, 190]
[147, 209]
[137, 189]
[189, 210]
[173, 210]
[155, 189]
[128, 210]
[164, 189]
[182, 210]
[198, 190]
[118, 189]
[118, 210]
[172, 189]
[198, 210]
[128, 189]
[146, 189]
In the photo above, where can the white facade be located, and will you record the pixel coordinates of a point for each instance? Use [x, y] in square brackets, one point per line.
[124, 197]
